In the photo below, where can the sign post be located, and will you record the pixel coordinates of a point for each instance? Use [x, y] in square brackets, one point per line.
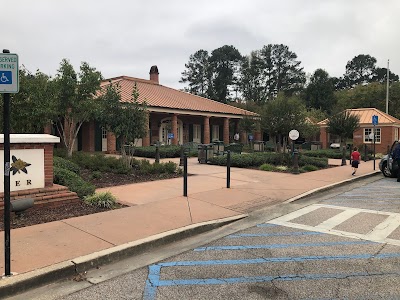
[294, 135]
[9, 83]
[374, 122]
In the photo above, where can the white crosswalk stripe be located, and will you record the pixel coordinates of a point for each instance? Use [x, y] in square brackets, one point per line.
[378, 234]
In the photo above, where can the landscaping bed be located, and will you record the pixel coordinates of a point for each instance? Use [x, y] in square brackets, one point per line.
[83, 173]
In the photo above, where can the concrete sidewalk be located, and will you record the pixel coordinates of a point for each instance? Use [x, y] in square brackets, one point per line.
[157, 210]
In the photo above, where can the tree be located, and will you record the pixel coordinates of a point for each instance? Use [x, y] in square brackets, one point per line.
[224, 62]
[343, 125]
[281, 115]
[360, 70]
[127, 120]
[319, 93]
[380, 75]
[33, 107]
[251, 80]
[282, 71]
[74, 100]
[198, 74]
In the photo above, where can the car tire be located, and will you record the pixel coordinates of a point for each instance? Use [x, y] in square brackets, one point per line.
[385, 170]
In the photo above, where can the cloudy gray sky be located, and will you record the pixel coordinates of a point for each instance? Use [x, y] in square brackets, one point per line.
[123, 37]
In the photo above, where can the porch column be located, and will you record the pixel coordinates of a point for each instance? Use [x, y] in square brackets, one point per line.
[175, 129]
[88, 136]
[111, 142]
[206, 133]
[323, 137]
[257, 133]
[146, 138]
[226, 131]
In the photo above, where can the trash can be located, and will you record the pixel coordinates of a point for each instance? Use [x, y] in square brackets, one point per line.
[218, 147]
[201, 154]
[205, 151]
[209, 151]
[258, 146]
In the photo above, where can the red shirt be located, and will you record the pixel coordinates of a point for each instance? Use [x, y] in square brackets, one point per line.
[355, 155]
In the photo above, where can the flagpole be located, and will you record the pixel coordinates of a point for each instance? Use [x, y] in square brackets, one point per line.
[387, 89]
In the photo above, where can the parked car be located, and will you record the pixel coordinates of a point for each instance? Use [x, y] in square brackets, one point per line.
[388, 167]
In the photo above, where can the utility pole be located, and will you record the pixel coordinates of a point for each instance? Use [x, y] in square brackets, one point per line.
[387, 89]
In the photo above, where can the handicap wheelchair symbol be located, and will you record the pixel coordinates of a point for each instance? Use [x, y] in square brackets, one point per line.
[6, 77]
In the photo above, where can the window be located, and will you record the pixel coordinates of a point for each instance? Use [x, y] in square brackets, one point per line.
[103, 133]
[396, 134]
[215, 133]
[368, 139]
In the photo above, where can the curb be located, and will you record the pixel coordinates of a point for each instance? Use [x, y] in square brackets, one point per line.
[10, 286]
[331, 186]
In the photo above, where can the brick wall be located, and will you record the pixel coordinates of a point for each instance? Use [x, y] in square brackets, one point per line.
[88, 137]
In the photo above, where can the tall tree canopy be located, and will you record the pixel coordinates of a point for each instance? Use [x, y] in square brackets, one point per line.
[225, 63]
[252, 80]
[198, 74]
[319, 93]
[360, 70]
[282, 71]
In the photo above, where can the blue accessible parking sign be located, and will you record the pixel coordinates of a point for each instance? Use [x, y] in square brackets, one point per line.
[374, 120]
[6, 77]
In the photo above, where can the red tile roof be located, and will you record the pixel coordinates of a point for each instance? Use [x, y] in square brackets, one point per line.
[366, 114]
[156, 95]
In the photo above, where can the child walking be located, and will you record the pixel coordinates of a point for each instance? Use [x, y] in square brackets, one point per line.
[355, 160]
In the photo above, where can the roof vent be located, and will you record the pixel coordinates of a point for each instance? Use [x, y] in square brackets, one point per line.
[154, 74]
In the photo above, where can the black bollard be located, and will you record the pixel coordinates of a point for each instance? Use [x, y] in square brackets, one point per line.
[228, 169]
[157, 154]
[185, 174]
[296, 161]
[181, 159]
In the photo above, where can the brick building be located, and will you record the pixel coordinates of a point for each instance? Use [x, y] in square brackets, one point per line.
[188, 117]
[387, 130]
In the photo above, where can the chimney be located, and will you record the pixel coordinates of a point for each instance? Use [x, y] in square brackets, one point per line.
[154, 74]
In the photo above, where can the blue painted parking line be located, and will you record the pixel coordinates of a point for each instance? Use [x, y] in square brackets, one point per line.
[279, 246]
[276, 260]
[288, 277]
[293, 233]
[153, 281]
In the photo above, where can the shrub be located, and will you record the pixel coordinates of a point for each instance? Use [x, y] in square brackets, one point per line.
[96, 175]
[282, 168]
[315, 161]
[66, 164]
[73, 181]
[267, 167]
[100, 162]
[102, 200]
[146, 167]
[309, 168]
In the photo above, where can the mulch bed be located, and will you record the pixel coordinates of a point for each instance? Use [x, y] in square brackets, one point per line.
[112, 179]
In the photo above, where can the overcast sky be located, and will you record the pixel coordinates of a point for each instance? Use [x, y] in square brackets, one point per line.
[128, 37]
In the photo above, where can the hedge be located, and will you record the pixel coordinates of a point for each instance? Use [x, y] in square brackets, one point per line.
[73, 181]
[100, 162]
[66, 164]
[169, 151]
[272, 158]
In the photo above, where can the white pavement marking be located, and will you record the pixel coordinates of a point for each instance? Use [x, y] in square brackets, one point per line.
[338, 219]
[379, 234]
[384, 229]
[297, 213]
